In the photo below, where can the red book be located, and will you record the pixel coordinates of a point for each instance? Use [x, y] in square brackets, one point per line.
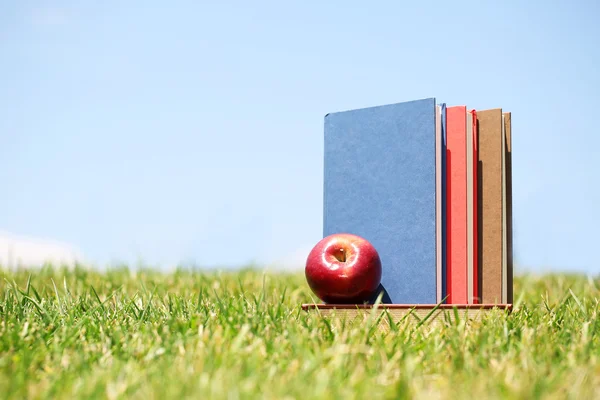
[472, 204]
[456, 205]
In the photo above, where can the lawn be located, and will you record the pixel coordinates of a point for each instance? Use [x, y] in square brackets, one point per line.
[68, 334]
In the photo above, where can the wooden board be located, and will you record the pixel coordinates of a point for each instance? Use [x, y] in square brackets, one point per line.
[435, 315]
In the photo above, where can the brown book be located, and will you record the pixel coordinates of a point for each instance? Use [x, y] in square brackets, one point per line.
[504, 264]
[490, 204]
[508, 199]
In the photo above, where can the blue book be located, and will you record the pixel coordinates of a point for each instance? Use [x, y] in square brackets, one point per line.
[380, 183]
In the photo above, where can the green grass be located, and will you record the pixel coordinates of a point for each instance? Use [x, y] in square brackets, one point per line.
[83, 334]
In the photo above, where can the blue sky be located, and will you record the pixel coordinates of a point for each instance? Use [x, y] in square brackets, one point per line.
[192, 132]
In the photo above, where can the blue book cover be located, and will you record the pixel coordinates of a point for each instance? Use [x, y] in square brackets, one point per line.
[380, 183]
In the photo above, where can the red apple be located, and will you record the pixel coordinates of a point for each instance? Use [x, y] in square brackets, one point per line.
[343, 268]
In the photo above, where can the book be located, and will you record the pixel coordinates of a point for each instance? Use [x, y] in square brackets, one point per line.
[504, 238]
[440, 198]
[490, 199]
[508, 199]
[456, 208]
[472, 209]
[442, 189]
[380, 183]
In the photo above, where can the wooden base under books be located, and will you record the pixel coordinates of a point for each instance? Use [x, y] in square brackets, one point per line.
[431, 314]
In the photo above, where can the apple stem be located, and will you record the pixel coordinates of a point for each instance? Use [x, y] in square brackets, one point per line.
[341, 256]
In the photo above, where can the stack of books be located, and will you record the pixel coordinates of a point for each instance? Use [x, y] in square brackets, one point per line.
[430, 186]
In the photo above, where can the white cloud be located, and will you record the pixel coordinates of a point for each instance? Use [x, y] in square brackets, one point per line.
[16, 250]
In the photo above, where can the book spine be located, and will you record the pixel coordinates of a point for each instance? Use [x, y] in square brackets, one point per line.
[438, 202]
[476, 268]
[509, 220]
[444, 201]
[456, 193]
